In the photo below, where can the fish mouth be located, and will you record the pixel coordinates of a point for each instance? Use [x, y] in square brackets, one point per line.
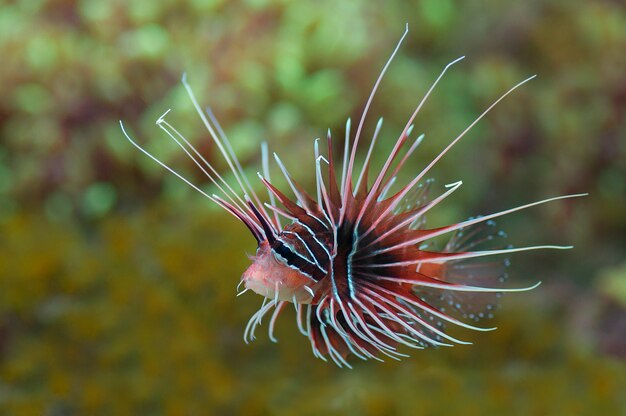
[278, 291]
[259, 288]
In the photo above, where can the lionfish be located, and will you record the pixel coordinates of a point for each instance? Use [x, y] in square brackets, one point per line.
[355, 260]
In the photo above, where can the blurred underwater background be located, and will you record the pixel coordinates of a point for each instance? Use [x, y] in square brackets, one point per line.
[117, 281]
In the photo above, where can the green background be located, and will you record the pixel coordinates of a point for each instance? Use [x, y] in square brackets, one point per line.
[117, 283]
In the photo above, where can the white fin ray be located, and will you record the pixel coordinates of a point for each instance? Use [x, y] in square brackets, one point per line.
[266, 173]
[346, 150]
[420, 176]
[270, 329]
[224, 138]
[177, 137]
[416, 318]
[402, 140]
[346, 191]
[445, 257]
[433, 311]
[453, 187]
[444, 230]
[287, 176]
[366, 162]
[215, 136]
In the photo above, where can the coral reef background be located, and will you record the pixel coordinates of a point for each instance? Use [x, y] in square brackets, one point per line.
[117, 282]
